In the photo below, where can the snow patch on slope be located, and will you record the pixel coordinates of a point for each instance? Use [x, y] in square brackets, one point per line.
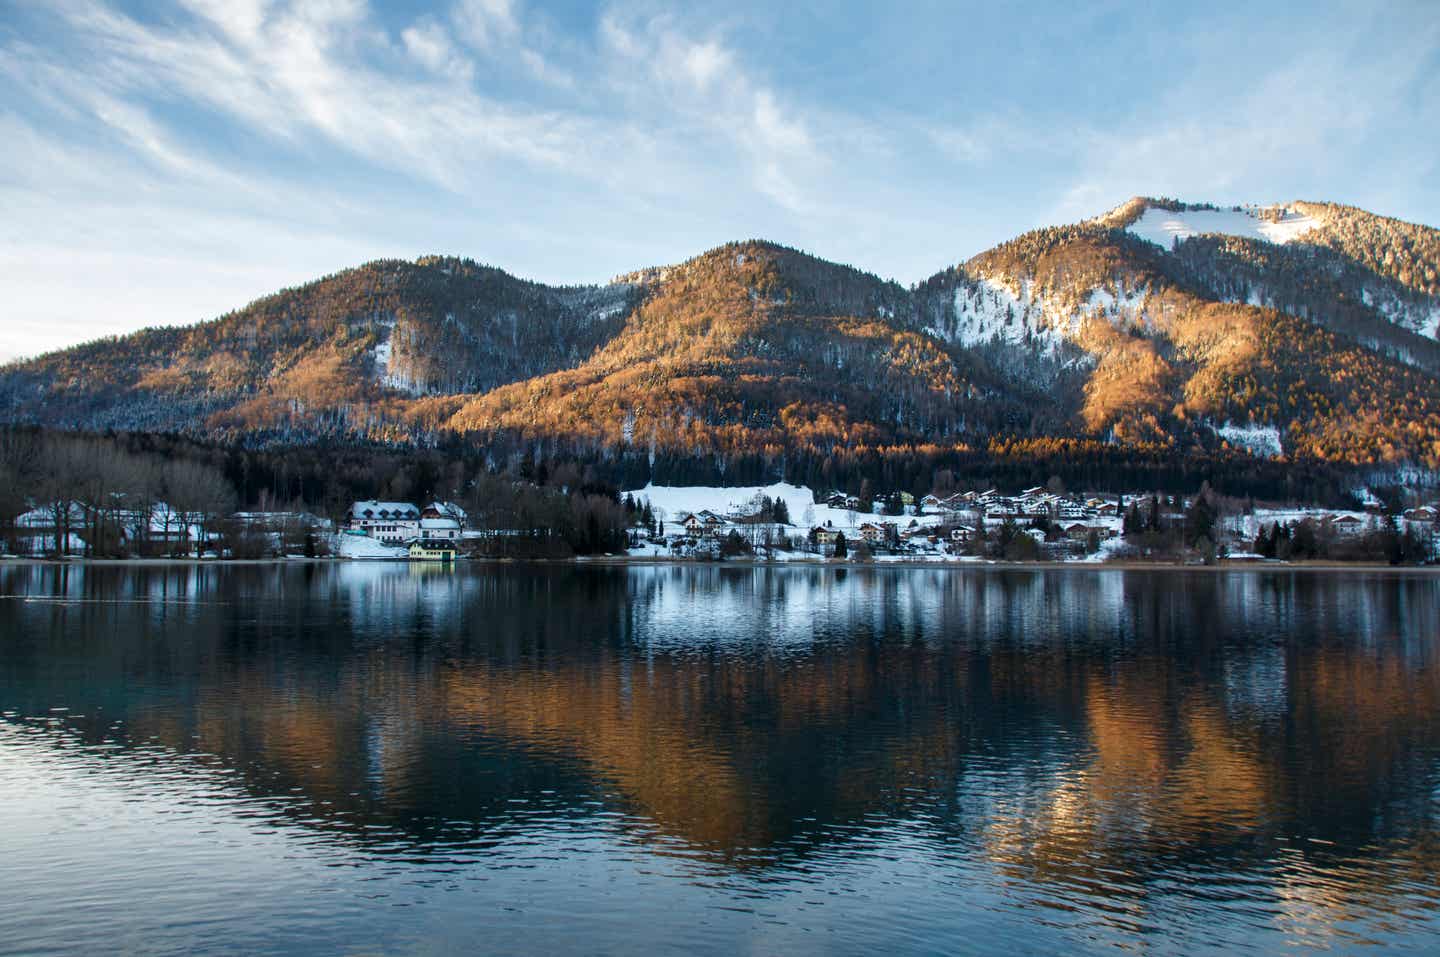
[1261, 440]
[990, 310]
[382, 355]
[1163, 227]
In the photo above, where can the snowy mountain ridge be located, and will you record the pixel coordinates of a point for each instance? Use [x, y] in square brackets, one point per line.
[1294, 330]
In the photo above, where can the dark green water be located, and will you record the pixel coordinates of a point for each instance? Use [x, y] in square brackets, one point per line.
[389, 759]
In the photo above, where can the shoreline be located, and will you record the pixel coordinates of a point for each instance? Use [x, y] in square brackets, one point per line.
[614, 561]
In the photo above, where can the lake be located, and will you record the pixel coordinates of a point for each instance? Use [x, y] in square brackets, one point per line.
[403, 759]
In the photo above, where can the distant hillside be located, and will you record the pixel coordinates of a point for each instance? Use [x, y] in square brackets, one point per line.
[1301, 331]
[341, 356]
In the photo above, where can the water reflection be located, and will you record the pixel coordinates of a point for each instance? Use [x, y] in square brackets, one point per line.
[1157, 750]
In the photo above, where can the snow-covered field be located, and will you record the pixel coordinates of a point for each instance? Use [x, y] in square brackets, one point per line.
[357, 546]
[675, 501]
[1162, 227]
[1248, 526]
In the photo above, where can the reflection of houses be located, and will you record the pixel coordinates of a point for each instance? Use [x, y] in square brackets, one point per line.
[384, 747]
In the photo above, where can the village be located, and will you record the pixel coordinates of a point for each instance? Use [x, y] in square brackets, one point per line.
[1036, 524]
[779, 522]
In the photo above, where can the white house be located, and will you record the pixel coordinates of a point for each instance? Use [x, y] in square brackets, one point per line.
[391, 522]
[439, 530]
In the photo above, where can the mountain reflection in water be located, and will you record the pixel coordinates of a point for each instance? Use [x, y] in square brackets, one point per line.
[1095, 757]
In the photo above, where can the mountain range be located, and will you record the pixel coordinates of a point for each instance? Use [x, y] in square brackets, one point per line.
[1285, 333]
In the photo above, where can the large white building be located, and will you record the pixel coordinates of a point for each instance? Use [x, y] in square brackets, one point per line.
[391, 522]
[399, 523]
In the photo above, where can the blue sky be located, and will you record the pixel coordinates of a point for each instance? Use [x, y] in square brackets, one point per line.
[166, 162]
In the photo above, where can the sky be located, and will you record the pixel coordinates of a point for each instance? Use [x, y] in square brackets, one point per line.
[163, 163]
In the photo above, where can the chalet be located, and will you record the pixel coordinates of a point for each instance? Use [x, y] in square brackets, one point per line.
[999, 510]
[1080, 532]
[961, 503]
[1037, 508]
[1422, 514]
[704, 522]
[1071, 510]
[444, 510]
[930, 502]
[1033, 493]
[961, 534]
[871, 533]
[1347, 525]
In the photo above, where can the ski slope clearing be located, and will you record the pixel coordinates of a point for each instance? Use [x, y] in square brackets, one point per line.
[1163, 227]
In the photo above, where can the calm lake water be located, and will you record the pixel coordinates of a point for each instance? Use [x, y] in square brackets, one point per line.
[398, 759]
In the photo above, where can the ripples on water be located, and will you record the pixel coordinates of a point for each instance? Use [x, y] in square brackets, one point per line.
[372, 758]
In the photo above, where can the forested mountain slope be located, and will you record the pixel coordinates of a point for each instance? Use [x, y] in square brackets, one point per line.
[337, 357]
[1303, 332]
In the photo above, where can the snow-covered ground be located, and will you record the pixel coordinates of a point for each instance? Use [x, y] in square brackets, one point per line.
[1162, 227]
[992, 310]
[677, 500]
[1248, 526]
[358, 546]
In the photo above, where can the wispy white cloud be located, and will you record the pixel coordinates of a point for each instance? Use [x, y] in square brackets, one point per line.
[255, 142]
[702, 80]
[484, 23]
[429, 44]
